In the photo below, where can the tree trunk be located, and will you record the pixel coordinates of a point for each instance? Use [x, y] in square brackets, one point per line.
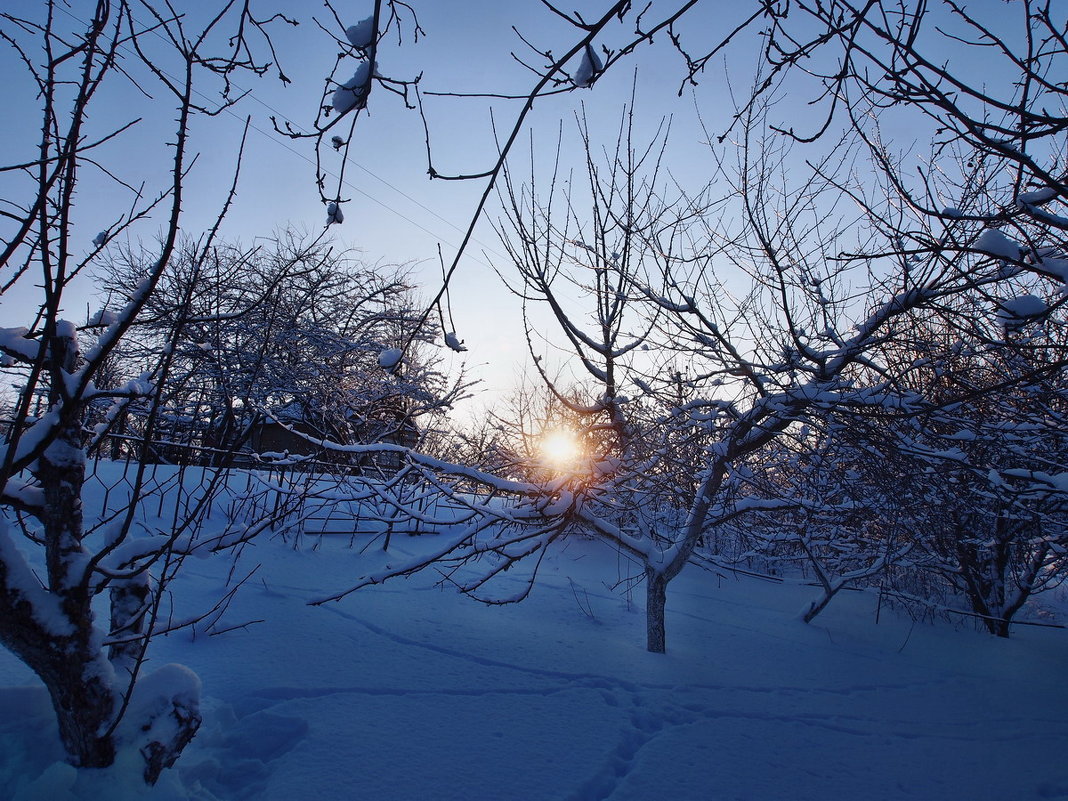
[85, 707]
[816, 607]
[72, 670]
[130, 599]
[70, 664]
[655, 601]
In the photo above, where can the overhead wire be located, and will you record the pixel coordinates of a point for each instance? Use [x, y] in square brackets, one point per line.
[273, 137]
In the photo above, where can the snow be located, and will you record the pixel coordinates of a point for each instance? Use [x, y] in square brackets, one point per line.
[103, 317]
[66, 329]
[100, 238]
[996, 243]
[590, 67]
[47, 612]
[389, 358]
[1052, 261]
[1013, 311]
[362, 34]
[37, 433]
[154, 696]
[63, 454]
[454, 342]
[353, 93]
[14, 341]
[334, 214]
[408, 692]
[1038, 196]
[27, 493]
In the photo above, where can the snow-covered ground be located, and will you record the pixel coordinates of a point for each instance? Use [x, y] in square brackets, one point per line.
[408, 691]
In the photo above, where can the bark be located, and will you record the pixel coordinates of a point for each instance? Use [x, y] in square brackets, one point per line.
[159, 755]
[70, 668]
[816, 607]
[61, 471]
[85, 706]
[130, 600]
[657, 578]
[655, 601]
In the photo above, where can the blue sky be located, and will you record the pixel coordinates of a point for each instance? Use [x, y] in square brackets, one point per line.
[394, 213]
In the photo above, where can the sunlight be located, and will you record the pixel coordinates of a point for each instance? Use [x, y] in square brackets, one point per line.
[560, 448]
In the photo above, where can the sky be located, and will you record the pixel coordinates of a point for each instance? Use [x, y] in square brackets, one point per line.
[393, 213]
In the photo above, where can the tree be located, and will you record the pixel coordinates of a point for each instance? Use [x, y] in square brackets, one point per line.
[982, 457]
[767, 360]
[784, 351]
[92, 671]
[287, 333]
[825, 501]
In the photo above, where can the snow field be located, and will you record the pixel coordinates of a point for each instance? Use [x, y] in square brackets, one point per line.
[407, 691]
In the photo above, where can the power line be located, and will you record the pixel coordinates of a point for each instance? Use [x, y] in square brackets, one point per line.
[273, 137]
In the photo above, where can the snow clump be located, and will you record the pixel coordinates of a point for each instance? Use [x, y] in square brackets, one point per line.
[103, 317]
[390, 358]
[1014, 312]
[353, 93]
[1037, 197]
[589, 69]
[362, 34]
[334, 214]
[997, 244]
[1052, 261]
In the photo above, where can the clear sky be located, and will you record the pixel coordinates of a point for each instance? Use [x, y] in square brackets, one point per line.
[394, 213]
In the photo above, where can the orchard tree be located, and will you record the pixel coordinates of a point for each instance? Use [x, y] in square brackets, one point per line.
[181, 71]
[763, 360]
[811, 248]
[821, 504]
[288, 331]
[984, 454]
[783, 351]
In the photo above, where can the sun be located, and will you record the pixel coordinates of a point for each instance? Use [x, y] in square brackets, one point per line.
[560, 448]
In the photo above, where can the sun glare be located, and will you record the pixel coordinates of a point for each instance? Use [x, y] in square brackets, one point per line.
[560, 448]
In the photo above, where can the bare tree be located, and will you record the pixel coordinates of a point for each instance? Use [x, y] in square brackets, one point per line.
[822, 503]
[981, 458]
[287, 332]
[50, 624]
